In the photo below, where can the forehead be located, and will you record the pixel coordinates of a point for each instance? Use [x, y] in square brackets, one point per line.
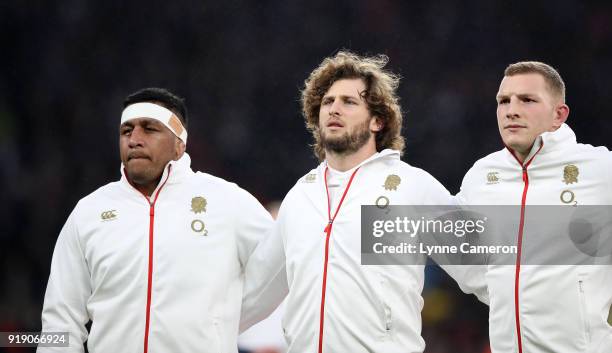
[346, 87]
[531, 83]
[142, 122]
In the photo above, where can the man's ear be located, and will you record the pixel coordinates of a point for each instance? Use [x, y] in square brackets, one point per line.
[561, 114]
[179, 148]
[376, 124]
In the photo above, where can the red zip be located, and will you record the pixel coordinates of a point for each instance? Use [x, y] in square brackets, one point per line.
[150, 269]
[517, 271]
[518, 261]
[150, 276]
[327, 231]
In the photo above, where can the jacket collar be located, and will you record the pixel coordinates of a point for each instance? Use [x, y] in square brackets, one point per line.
[174, 172]
[387, 153]
[557, 140]
[319, 199]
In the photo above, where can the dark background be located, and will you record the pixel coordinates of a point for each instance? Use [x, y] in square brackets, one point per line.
[66, 67]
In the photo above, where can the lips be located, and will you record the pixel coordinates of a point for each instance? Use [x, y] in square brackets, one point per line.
[514, 126]
[137, 155]
[335, 123]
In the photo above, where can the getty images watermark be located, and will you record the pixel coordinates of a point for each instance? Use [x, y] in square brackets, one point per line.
[412, 227]
[486, 235]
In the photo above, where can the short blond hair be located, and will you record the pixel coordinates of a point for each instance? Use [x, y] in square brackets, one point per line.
[551, 76]
[380, 96]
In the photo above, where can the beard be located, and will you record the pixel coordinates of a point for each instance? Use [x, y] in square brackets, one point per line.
[142, 172]
[347, 143]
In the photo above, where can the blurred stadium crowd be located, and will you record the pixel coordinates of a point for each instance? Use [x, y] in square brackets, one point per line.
[67, 65]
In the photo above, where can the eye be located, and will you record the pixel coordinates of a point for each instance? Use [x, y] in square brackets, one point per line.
[327, 101]
[125, 131]
[351, 101]
[503, 101]
[528, 100]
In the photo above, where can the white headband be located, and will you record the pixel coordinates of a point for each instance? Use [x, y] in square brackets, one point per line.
[157, 112]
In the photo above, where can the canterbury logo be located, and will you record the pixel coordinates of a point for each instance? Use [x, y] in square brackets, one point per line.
[108, 215]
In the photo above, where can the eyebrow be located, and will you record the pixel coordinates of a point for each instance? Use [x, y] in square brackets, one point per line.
[520, 95]
[342, 96]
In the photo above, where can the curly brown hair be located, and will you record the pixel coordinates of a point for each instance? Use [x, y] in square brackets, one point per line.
[380, 96]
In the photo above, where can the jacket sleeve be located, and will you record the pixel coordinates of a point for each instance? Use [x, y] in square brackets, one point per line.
[68, 289]
[265, 278]
[252, 223]
[462, 197]
[470, 278]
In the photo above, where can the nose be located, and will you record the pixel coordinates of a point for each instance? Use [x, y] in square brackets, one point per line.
[512, 112]
[334, 109]
[136, 137]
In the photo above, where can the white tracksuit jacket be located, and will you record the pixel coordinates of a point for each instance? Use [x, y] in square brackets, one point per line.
[175, 261]
[560, 308]
[366, 308]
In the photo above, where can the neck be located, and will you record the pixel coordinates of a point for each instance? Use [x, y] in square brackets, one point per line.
[343, 162]
[521, 156]
[143, 186]
[148, 188]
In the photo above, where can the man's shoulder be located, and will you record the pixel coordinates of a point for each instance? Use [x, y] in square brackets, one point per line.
[408, 170]
[217, 185]
[108, 194]
[305, 184]
[493, 158]
[593, 152]
[209, 179]
[490, 163]
[311, 177]
[420, 182]
[107, 191]
[418, 177]
[596, 159]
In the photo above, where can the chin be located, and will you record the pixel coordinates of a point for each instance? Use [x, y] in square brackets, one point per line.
[513, 141]
[138, 175]
[519, 146]
[513, 144]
